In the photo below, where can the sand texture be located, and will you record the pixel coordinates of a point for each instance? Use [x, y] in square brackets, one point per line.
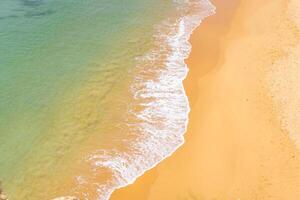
[243, 137]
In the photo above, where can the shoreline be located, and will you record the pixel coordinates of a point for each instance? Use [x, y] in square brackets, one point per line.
[181, 38]
[148, 178]
[235, 145]
[177, 42]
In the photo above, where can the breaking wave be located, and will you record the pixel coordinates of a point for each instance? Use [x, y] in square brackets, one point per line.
[158, 114]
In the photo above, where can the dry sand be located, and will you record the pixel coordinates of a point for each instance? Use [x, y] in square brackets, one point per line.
[238, 144]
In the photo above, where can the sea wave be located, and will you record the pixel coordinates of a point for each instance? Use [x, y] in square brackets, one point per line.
[158, 114]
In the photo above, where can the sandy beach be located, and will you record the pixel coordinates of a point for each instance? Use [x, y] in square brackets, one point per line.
[241, 142]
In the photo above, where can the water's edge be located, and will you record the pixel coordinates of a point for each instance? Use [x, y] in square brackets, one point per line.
[163, 107]
[185, 28]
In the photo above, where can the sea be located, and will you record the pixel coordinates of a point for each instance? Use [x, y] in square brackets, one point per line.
[91, 92]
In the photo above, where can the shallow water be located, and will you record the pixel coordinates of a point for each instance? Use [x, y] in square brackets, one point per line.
[91, 93]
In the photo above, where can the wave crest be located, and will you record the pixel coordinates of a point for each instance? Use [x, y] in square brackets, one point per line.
[158, 115]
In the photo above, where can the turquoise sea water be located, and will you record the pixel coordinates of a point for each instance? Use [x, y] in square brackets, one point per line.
[49, 48]
[65, 73]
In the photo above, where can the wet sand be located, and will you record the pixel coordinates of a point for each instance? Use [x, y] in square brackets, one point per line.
[236, 145]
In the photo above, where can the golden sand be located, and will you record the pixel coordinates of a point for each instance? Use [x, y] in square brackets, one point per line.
[243, 76]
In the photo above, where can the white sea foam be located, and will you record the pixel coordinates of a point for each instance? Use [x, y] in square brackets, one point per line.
[158, 92]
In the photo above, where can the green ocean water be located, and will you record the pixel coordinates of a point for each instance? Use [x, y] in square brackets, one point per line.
[62, 63]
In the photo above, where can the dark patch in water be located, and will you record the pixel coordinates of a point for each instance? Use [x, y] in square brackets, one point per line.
[30, 8]
[39, 14]
[32, 3]
[29, 15]
[9, 17]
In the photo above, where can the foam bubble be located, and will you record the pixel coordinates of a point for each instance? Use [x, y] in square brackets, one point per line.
[158, 91]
